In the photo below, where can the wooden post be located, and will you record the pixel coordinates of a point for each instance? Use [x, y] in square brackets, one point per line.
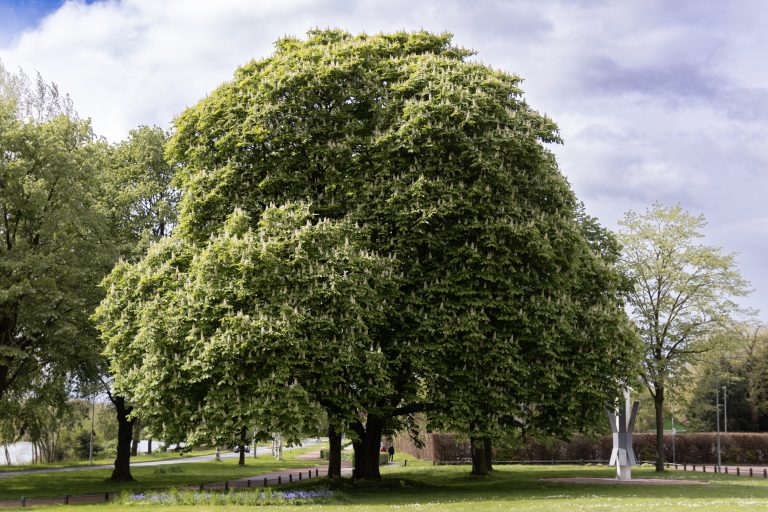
[265, 482]
[249, 483]
[290, 477]
[316, 472]
[66, 499]
[750, 471]
[106, 496]
[738, 471]
[279, 479]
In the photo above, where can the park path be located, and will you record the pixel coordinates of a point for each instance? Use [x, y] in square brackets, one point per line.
[260, 450]
[725, 469]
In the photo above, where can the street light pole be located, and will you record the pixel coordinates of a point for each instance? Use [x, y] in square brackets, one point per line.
[725, 410]
[673, 435]
[717, 422]
[90, 441]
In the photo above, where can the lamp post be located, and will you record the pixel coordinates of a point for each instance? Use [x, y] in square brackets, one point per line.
[717, 423]
[90, 441]
[674, 461]
[725, 410]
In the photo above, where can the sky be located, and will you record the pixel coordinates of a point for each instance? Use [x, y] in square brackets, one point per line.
[657, 100]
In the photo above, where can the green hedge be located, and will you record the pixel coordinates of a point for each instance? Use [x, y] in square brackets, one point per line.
[348, 456]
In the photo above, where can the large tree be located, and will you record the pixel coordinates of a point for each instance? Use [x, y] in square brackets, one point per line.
[682, 294]
[441, 166]
[54, 247]
[142, 205]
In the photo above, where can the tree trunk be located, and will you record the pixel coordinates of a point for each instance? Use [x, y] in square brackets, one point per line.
[367, 448]
[489, 454]
[658, 401]
[149, 446]
[136, 439]
[334, 452]
[122, 471]
[241, 461]
[479, 464]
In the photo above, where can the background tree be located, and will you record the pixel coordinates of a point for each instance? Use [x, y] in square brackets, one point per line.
[682, 294]
[741, 367]
[142, 206]
[54, 249]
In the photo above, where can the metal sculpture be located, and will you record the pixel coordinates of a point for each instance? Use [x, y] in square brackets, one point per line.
[623, 425]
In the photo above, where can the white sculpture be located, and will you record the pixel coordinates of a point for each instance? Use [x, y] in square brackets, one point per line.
[622, 425]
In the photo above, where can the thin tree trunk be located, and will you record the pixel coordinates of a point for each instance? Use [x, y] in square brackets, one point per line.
[367, 448]
[7, 454]
[489, 454]
[241, 461]
[334, 452]
[658, 401]
[149, 445]
[479, 464]
[122, 471]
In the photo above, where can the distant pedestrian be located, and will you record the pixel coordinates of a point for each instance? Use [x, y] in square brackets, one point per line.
[391, 453]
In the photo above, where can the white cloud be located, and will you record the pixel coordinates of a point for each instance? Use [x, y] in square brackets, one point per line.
[656, 100]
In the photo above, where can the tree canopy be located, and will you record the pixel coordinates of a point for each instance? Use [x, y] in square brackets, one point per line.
[53, 231]
[481, 296]
[682, 293]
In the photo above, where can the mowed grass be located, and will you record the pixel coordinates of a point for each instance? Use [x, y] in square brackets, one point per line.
[423, 487]
[96, 481]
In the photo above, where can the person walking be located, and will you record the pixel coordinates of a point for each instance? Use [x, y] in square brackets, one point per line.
[391, 451]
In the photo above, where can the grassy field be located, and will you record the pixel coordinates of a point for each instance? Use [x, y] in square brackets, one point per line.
[420, 486]
[94, 481]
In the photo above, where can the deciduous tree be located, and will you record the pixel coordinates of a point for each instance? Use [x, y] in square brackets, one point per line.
[683, 292]
[441, 166]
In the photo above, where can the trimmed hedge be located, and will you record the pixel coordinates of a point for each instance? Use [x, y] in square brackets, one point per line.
[690, 448]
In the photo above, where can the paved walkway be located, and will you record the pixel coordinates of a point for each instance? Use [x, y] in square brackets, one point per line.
[260, 450]
[726, 469]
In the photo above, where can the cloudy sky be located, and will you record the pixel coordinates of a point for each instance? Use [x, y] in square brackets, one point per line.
[656, 100]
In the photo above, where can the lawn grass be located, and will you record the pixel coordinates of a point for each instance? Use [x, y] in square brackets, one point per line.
[95, 481]
[421, 486]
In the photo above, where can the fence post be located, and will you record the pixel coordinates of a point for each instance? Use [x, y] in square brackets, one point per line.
[315, 471]
[765, 473]
[66, 499]
[290, 477]
[279, 479]
[265, 482]
[249, 483]
[738, 471]
[726, 470]
[202, 487]
[693, 467]
[750, 471]
[300, 473]
[106, 496]
[226, 485]
[704, 468]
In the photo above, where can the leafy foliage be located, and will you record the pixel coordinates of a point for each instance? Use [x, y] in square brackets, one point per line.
[465, 283]
[682, 293]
